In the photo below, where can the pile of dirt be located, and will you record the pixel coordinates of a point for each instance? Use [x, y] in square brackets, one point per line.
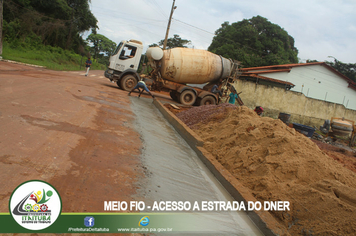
[175, 109]
[204, 114]
[345, 157]
[276, 163]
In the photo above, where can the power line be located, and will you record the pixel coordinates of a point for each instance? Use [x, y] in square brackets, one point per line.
[199, 36]
[160, 9]
[114, 15]
[157, 8]
[133, 19]
[193, 26]
[228, 39]
[156, 34]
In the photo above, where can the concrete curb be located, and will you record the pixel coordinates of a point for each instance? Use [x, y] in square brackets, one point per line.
[188, 134]
[262, 219]
[21, 63]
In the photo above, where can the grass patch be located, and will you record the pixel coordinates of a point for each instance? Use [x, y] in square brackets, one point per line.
[53, 58]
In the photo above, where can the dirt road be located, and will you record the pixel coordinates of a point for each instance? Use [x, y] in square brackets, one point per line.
[72, 131]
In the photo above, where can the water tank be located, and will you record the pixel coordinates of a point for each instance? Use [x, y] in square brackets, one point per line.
[154, 53]
[193, 66]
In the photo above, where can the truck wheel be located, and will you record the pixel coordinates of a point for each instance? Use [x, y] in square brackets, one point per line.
[128, 82]
[187, 97]
[207, 100]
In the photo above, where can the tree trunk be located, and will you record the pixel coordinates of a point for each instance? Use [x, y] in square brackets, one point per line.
[69, 39]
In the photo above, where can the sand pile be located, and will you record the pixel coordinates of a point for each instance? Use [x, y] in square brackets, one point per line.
[343, 156]
[279, 164]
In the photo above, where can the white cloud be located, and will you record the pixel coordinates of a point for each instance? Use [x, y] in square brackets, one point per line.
[319, 28]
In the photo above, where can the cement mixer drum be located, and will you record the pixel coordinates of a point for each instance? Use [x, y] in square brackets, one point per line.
[190, 66]
[156, 53]
[187, 65]
[341, 127]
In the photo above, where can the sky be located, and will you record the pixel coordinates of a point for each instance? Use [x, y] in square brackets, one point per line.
[322, 29]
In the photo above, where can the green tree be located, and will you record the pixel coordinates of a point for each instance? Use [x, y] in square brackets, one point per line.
[101, 45]
[311, 61]
[349, 70]
[174, 42]
[81, 19]
[254, 42]
[59, 23]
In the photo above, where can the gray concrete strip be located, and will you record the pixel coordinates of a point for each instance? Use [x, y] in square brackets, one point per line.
[175, 173]
[21, 63]
[264, 221]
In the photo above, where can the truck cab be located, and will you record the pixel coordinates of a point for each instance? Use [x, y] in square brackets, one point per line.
[124, 63]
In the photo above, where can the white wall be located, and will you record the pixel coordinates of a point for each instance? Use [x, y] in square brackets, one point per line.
[316, 81]
[303, 110]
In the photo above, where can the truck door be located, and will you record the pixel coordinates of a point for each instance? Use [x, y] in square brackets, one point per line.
[128, 58]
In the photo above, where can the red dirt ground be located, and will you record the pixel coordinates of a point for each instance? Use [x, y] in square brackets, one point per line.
[72, 131]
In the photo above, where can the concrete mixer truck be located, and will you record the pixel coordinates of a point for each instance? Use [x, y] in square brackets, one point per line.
[172, 71]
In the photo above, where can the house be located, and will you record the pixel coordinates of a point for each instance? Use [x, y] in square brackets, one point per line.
[315, 80]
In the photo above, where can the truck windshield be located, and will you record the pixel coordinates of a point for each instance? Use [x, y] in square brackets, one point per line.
[118, 48]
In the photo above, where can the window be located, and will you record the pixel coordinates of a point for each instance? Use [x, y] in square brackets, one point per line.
[117, 49]
[128, 52]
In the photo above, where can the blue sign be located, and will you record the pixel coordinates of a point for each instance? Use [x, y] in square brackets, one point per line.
[89, 221]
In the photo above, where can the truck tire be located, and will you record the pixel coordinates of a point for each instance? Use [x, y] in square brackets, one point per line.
[187, 97]
[128, 82]
[207, 100]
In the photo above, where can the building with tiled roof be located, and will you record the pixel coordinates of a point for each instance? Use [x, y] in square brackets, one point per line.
[315, 80]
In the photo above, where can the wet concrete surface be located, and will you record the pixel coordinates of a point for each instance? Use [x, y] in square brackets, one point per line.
[175, 173]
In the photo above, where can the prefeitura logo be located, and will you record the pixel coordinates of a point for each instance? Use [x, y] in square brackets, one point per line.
[35, 205]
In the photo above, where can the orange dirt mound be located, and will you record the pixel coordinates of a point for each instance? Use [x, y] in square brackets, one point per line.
[279, 164]
[175, 110]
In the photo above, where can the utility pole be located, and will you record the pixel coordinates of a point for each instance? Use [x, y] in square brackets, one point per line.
[169, 25]
[1, 16]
